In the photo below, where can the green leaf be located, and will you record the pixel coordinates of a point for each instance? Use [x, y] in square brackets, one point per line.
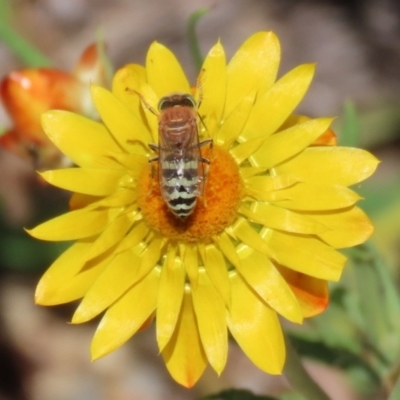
[369, 293]
[379, 300]
[338, 330]
[357, 369]
[24, 254]
[291, 396]
[237, 394]
[298, 377]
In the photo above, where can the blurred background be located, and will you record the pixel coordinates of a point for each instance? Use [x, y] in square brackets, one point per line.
[356, 45]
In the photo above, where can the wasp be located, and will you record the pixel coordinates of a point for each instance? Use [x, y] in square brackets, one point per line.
[182, 169]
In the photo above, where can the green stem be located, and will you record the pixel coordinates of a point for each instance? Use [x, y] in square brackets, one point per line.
[192, 37]
[350, 132]
[298, 377]
[105, 61]
[395, 395]
[29, 55]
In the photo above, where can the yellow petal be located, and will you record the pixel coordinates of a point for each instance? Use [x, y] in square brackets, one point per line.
[134, 162]
[184, 355]
[348, 228]
[135, 236]
[306, 254]
[95, 182]
[172, 285]
[149, 257]
[233, 124]
[126, 127]
[127, 80]
[164, 73]
[292, 120]
[123, 319]
[311, 293]
[211, 319]
[131, 87]
[262, 276]
[84, 141]
[282, 219]
[273, 108]
[227, 248]
[213, 80]
[191, 264]
[72, 225]
[267, 183]
[217, 272]
[111, 236]
[244, 150]
[120, 198]
[149, 107]
[314, 196]
[285, 144]
[66, 279]
[79, 200]
[245, 232]
[248, 172]
[256, 328]
[108, 287]
[337, 165]
[254, 66]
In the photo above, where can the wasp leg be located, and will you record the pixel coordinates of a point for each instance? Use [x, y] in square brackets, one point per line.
[206, 142]
[154, 147]
[200, 91]
[135, 141]
[202, 122]
[200, 87]
[151, 161]
[143, 100]
[205, 160]
[206, 169]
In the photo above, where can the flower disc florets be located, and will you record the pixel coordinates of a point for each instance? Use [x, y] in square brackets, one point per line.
[215, 210]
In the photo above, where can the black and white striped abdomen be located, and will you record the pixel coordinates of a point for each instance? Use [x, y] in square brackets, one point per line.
[180, 184]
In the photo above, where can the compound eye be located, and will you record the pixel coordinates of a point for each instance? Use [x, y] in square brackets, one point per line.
[164, 103]
[188, 101]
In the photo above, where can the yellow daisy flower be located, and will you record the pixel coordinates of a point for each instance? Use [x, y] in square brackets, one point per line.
[263, 237]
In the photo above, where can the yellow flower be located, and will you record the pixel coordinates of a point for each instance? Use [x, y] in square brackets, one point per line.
[262, 240]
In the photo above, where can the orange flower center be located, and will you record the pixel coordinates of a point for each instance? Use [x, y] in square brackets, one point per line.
[215, 209]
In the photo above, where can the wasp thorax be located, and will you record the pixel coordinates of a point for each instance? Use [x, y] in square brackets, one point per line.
[178, 120]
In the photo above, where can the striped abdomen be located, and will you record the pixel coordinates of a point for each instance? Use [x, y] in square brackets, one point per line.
[180, 183]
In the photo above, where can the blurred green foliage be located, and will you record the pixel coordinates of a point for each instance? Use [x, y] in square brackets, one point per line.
[194, 46]
[237, 394]
[360, 332]
[27, 53]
